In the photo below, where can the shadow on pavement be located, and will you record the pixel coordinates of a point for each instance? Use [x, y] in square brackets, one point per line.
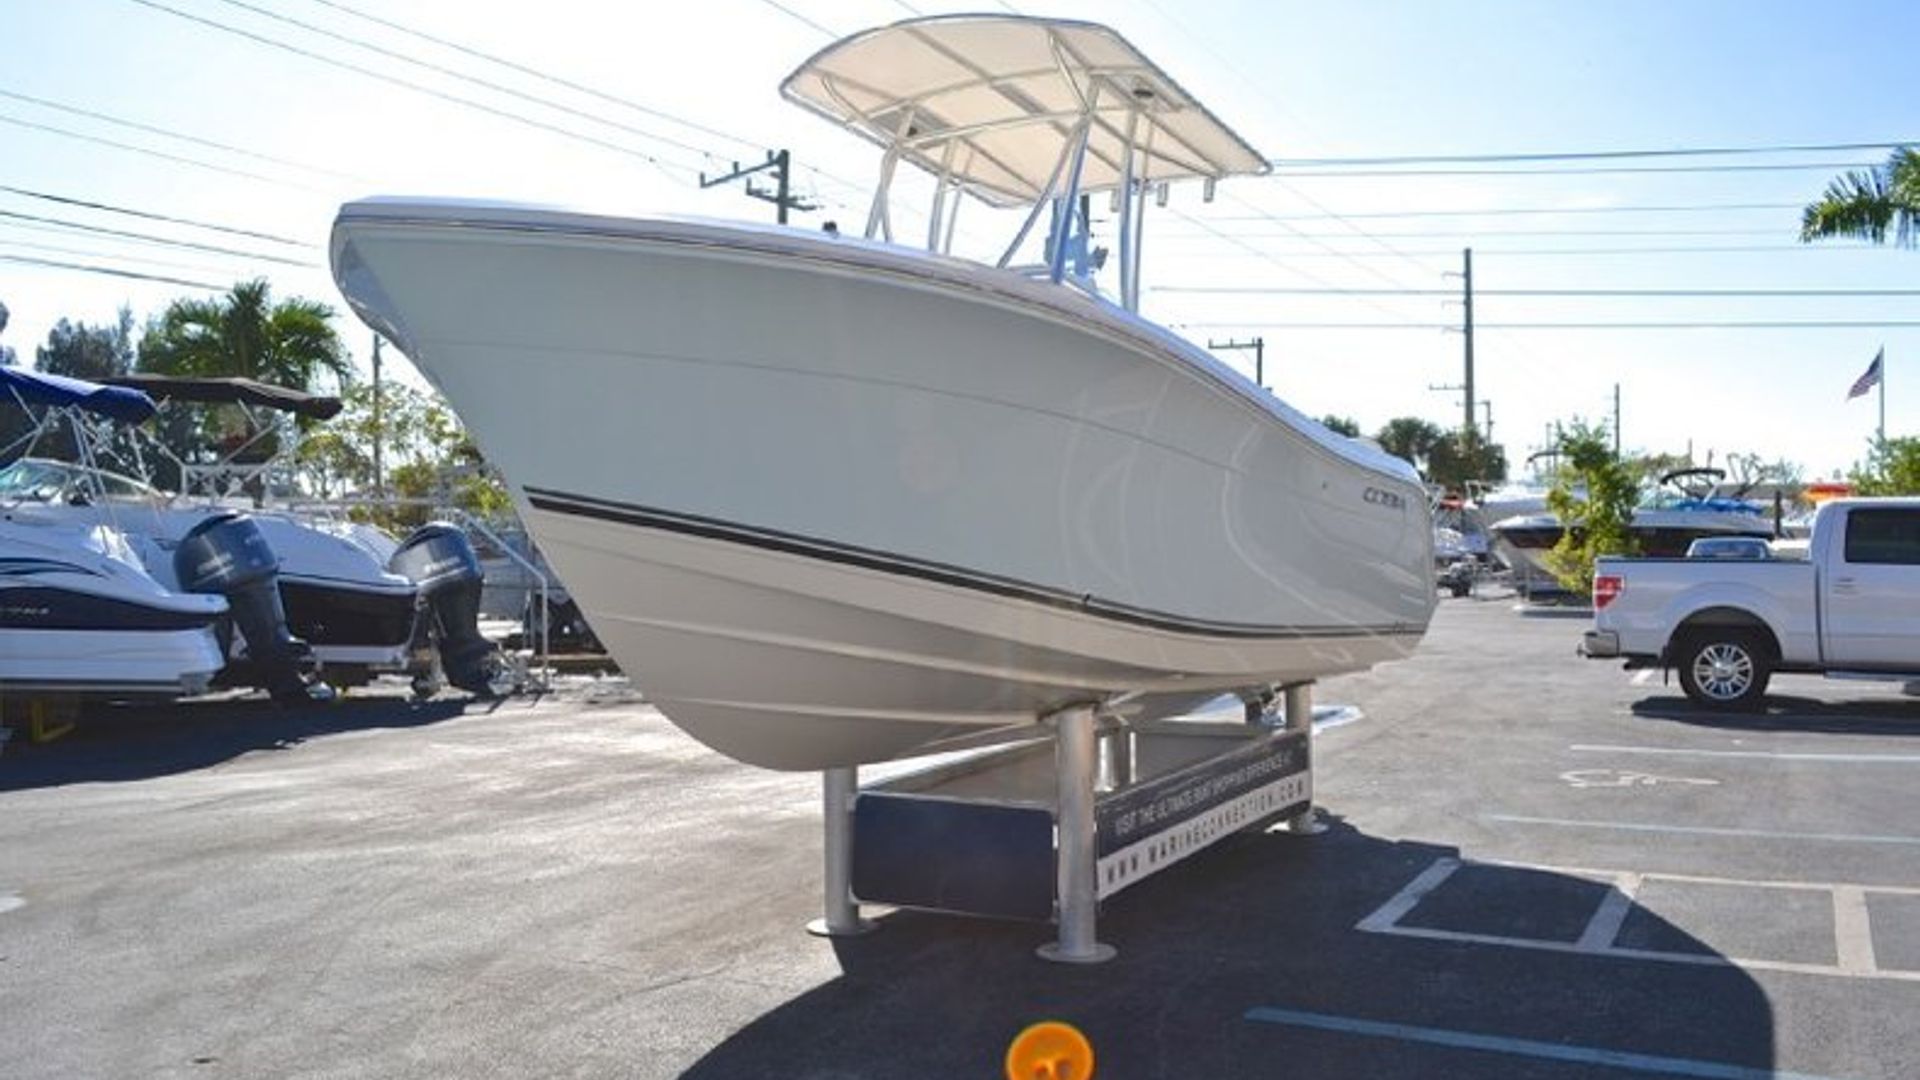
[1266, 922]
[134, 742]
[1779, 712]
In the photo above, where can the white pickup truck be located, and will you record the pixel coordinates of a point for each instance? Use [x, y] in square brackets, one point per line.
[1849, 609]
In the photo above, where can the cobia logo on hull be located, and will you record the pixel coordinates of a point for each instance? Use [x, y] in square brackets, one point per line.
[1379, 497]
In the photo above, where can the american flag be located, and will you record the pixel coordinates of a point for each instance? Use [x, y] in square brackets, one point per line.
[1871, 378]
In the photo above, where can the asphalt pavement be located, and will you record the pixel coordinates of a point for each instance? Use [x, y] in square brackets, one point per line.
[1535, 866]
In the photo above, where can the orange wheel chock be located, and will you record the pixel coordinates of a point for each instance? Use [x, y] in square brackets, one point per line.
[1050, 1050]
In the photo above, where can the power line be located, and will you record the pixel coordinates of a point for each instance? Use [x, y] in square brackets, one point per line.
[538, 74]
[110, 271]
[1600, 155]
[1316, 241]
[167, 241]
[1431, 234]
[181, 136]
[1508, 253]
[118, 256]
[1806, 166]
[451, 73]
[1272, 258]
[1801, 324]
[1238, 290]
[582, 88]
[796, 16]
[408, 84]
[151, 216]
[1509, 211]
[161, 154]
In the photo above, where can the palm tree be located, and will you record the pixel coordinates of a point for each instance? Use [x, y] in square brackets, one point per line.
[1863, 204]
[245, 333]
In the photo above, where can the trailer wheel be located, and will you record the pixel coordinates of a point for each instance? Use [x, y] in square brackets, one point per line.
[1724, 669]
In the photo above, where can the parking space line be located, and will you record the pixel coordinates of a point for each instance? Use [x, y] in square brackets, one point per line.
[1615, 952]
[1612, 912]
[1772, 755]
[1501, 1044]
[1408, 898]
[1701, 830]
[1703, 879]
[1643, 676]
[1852, 931]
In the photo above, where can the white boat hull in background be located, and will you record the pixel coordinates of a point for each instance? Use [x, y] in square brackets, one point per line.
[1525, 541]
[79, 616]
[832, 502]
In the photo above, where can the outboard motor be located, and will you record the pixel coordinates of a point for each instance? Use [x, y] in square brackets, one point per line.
[440, 560]
[227, 555]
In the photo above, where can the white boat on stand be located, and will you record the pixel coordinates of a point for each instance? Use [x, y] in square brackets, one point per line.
[833, 500]
[80, 616]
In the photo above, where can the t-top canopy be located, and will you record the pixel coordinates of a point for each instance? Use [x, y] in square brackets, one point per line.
[40, 388]
[993, 101]
[224, 391]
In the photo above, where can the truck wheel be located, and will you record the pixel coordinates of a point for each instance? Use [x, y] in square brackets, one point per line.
[1724, 669]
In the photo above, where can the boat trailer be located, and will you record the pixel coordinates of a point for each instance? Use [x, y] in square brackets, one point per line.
[1046, 828]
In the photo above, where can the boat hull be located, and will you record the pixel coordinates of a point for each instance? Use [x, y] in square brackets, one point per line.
[338, 597]
[78, 617]
[108, 663]
[831, 502]
[1525, 541]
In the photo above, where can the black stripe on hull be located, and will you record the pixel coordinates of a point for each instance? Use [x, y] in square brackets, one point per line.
[559, 502]
[37, 607]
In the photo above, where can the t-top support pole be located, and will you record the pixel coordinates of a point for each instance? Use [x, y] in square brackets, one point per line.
[841, 915]
[1076, 759]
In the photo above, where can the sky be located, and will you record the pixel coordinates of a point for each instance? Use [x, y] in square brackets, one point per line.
[190, 110]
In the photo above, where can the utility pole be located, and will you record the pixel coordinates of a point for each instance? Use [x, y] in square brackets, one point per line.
[1616, 419]
[1466, 283]
[1259, 347]
[379, 432]
[779, 163]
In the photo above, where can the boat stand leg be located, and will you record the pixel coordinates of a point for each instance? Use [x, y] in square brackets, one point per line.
[841, 916]
[1299, 713]
[1076, 753]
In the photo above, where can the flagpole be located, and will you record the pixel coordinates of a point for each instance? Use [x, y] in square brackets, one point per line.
[1883, 395]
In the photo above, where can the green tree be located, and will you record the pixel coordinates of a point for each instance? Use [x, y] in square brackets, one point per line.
[1342, 425]
[1866, 203]
[428, 456]
[88, 352]
[6, 352]
[1892, 468]
[246, 333]
[1460, 456]
[1410, 438]
[1598, 523]
[13, 424]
